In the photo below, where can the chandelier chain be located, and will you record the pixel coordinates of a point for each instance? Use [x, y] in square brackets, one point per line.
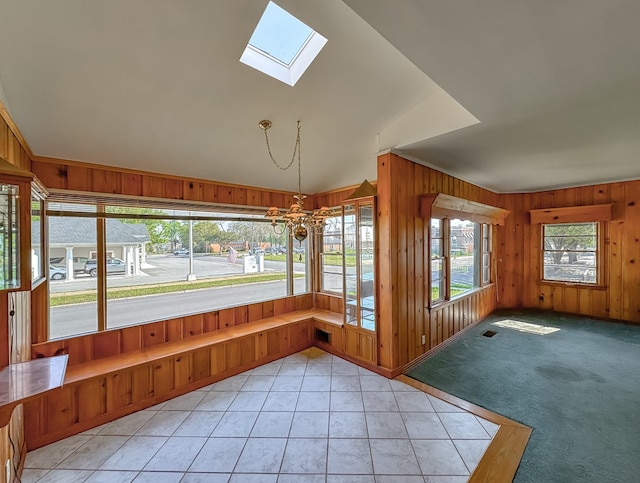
[295, 219]
[296, 149]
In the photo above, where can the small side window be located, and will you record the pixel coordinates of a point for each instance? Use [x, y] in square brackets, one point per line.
[570, 252]
[438, 268]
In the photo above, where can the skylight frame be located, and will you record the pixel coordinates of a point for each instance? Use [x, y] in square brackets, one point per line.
[291, 73]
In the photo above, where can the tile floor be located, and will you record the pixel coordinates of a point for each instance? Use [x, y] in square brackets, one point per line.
[310, 417]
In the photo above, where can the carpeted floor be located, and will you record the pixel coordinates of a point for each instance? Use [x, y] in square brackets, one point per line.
[578, 388]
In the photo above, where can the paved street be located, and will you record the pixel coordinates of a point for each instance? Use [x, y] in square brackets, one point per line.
[80, 318]
[169, 268]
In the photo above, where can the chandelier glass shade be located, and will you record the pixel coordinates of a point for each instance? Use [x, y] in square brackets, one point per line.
[299, 222]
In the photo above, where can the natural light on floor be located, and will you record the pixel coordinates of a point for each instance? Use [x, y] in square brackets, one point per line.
[525, 327]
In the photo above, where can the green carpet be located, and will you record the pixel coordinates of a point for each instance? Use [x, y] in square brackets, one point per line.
[578, 388]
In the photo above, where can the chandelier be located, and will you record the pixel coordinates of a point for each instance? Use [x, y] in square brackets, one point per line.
[295, 219]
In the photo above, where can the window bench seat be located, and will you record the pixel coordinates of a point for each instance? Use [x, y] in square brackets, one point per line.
[104, 389]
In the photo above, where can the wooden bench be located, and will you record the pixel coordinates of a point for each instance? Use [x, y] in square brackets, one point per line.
[105, 389]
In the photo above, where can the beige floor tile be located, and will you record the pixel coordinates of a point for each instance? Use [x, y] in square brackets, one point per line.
[463, 426]
[439, 457]
[176, 454]
[305, 456]
[261, 455]
[349, 457]
[218, 455]
[94, 452]
[135, 453]
[309, 418]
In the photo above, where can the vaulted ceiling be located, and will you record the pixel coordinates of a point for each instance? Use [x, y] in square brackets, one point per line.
[513, 96]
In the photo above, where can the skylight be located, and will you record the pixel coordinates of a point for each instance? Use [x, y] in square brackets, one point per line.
[282, 46]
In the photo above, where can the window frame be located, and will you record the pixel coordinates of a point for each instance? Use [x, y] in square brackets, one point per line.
[443, 279]
[479, 252]
[101, 214]
[338, 214]
[598, 252]
[486, 247]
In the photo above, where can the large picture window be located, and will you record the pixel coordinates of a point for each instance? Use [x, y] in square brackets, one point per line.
[570, 252]
[160, 264]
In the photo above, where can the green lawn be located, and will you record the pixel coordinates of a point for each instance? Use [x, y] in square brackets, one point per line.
[328, 258]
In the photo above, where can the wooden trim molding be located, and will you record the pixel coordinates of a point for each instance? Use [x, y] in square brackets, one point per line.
[572, 214]
[440, 205]
[4, 114]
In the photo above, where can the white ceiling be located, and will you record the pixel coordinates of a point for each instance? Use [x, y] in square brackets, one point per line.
[550, 89]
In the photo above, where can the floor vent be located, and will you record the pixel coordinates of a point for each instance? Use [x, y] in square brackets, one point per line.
[323, 336]
[489, 333]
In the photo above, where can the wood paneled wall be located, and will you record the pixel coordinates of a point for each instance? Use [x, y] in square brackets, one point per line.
[14, 149]
[69, 175]
[113, 342]
[404, 263]
[11, 149]
[86, 402]
[519, 270]
[325, 301]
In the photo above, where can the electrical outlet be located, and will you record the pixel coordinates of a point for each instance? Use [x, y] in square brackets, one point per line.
[7, 471]
[424, 339]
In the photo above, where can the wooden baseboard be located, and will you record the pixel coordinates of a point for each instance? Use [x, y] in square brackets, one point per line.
[501, 459]
[436, 349]
[383, 371]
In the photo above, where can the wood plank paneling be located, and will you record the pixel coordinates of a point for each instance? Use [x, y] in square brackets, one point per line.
[193, 325]
[118, 391]
[128, 339]
[519, 273]
[404, 264]
[94, 396]
[72, 175]
[40, 313]
[153, 333]
[386, 222]
[105, 344]
[201, 364]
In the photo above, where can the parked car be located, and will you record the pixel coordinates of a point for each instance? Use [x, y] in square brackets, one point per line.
[181, 251]
[57, 273]
[114, 265]
[78, 263]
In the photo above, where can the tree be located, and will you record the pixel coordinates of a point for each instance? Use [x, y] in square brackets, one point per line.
[205, 233]
[254, 232]
[160, 231]
[570, 239]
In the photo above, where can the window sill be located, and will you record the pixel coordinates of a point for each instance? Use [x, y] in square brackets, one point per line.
[443, 303]
[558, 283]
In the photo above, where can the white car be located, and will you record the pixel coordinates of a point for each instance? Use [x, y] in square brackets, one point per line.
[57, 273]
[114, 265]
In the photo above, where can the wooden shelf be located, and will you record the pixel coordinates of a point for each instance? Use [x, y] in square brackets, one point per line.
[440, 205]
[27, 380]
[572, 214]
